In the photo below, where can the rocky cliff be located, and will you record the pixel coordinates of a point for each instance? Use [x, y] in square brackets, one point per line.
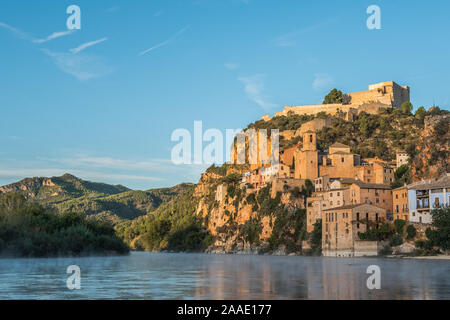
[245, 220]
[432, 152]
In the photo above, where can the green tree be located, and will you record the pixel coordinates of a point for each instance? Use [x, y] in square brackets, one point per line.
[411, 232]
[396, 240]
[316, 237]
[439, 236]
[401, 176]
[399, 226]
[406, 107]
[420, 114]
[334, 96]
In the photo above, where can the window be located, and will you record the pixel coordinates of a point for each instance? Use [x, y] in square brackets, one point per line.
[376, 218]
[357, 216]
[436, 202]
[396, 196]
[367, 216]
[338, 193]
[310, 138]
[342, 159]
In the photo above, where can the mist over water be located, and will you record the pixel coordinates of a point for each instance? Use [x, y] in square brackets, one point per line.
[143, 275]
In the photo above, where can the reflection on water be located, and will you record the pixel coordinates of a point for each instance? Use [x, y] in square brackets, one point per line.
[199, 276]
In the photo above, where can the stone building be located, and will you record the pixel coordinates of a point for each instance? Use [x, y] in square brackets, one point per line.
[332, 197]
[379, 195]
[339, 162]
[342, 226]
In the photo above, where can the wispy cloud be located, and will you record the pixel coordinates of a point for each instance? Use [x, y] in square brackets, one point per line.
[54, 35]
[113, 9]
[254, 88]
[86, 45]
[17, 32]
[158, 13]
[166, 42]
[82, 67]
[290, 39]
[322, 81]
[231, 66]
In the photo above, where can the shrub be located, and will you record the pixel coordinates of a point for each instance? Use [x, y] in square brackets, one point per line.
[399, 226]
[411, 232]
[396, 240]
[250, 230]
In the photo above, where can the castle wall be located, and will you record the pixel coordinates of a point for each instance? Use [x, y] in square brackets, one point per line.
[314, 109]
[384, 94]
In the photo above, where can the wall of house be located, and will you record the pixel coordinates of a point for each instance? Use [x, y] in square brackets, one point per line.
[378, 197]
[400, 204]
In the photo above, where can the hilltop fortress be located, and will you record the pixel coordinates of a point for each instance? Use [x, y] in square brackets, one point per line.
[380, 95]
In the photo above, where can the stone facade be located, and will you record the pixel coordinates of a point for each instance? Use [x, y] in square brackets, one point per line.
[341, 227]
[379, 195]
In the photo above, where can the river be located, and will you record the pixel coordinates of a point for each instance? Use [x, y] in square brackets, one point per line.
[143, 275]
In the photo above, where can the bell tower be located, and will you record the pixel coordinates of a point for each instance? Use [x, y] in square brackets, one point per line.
[309, 141]
[306, 159]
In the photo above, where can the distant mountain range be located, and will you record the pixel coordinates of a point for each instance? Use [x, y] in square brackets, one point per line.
[111, 202]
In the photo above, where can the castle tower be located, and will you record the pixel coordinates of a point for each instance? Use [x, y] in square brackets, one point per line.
[307, 159]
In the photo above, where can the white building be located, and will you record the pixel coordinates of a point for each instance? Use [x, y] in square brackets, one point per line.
[402, 158]
[427, 195]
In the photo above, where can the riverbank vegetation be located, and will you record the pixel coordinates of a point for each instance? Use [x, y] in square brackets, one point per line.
[29, 230]
[173, 226]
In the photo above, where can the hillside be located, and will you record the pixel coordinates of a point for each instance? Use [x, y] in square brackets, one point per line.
[126, 205]
[102, 201]
[172, 226]
[53, 190]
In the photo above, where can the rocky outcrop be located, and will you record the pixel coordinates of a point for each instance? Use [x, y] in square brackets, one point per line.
[241, 218]
[433, 149]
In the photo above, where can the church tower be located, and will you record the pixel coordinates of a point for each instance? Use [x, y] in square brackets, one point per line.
[307, 159]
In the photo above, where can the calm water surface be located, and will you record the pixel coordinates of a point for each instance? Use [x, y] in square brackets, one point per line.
[143, 275]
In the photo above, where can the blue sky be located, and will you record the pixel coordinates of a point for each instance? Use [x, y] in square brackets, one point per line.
[102, 102]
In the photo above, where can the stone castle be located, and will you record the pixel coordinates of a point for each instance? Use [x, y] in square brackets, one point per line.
[380, 95]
